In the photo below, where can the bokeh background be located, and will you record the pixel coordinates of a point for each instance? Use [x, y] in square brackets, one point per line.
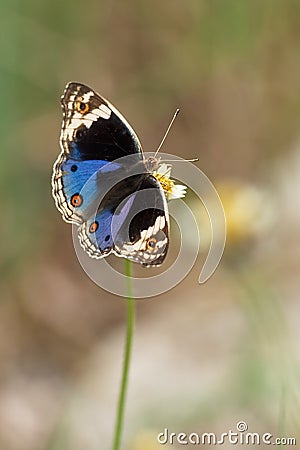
[205, 356]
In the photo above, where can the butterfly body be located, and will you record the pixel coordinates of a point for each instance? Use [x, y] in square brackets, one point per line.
[120, 206]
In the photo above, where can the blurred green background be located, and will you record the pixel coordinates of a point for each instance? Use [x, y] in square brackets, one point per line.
[205, 357]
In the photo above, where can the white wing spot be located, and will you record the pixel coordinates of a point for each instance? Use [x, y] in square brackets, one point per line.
[86, 97]
[103, 111]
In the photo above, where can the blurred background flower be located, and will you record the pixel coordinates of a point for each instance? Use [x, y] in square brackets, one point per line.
[205, 356]
[146, 440]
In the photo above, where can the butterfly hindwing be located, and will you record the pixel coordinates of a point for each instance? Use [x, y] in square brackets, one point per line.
[135, 227]
[145, 238]
[95, 234]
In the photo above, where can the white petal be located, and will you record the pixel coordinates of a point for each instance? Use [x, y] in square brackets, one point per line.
[178, 191]
[164, 170]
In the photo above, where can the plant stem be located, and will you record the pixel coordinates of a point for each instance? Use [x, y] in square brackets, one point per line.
[127, 357]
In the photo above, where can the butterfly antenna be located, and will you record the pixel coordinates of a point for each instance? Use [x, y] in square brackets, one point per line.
[167, 132]
[184, 160]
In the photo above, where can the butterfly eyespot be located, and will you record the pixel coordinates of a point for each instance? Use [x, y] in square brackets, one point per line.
[82, 107]
[107, 238]
[74, 168]
[76, 200]
[93, 227]
[151, 243]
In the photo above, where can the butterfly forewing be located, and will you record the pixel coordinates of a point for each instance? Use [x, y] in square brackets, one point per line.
[92, 127]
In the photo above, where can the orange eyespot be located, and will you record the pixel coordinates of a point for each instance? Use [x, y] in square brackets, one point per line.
[82, 107]
[151, 243]
[93, 227]
[76, 200]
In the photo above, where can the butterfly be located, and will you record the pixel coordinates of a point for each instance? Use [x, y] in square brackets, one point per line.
[103, 183]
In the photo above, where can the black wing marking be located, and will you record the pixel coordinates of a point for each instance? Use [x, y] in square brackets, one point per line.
[93, 128]
[132, 221]
[144, 237]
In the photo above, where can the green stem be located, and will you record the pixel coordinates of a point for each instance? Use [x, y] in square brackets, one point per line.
[127, 357]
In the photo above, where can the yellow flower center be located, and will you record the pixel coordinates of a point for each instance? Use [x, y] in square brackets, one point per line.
[166, 183]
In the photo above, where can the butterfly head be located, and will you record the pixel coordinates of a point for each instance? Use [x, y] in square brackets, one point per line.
[152, 163]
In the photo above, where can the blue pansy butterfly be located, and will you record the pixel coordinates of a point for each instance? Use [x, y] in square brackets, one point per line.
[119, 206]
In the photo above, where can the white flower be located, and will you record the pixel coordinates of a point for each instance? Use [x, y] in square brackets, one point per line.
[171, 190]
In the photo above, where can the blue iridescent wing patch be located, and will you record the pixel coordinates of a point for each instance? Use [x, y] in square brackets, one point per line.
[98, 234]
[129, 228]
[76, 186]
[94, 136]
